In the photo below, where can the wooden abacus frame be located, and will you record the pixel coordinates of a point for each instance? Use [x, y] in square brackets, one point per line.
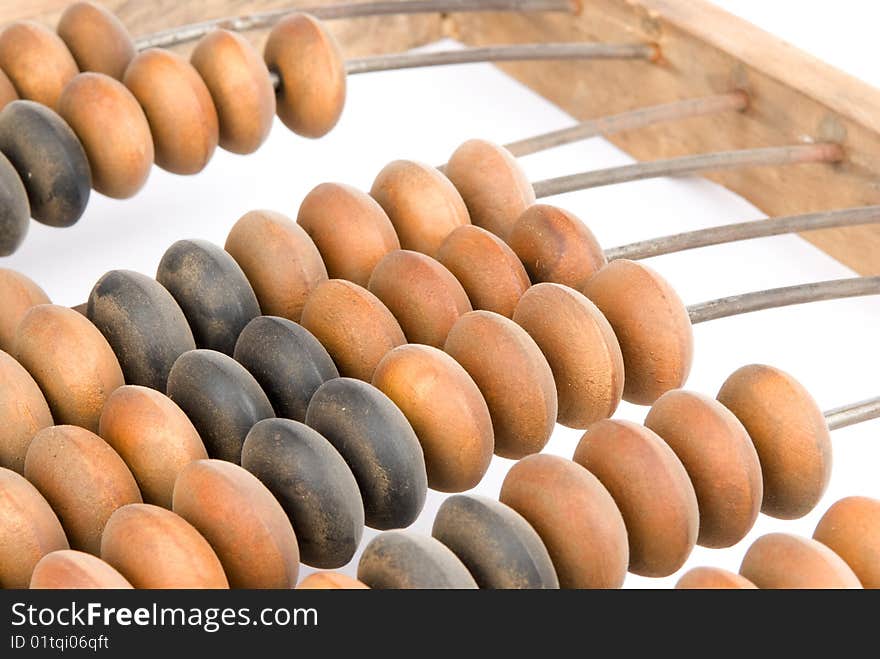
[794, 96]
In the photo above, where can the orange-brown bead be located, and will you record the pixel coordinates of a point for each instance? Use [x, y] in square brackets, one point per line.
[349, 228]
[782, 560]
[422, 203]
[311, 70]
[494, 187]
[23, 409]
[851, 528]
[114, 131]
[19, 294]
[581, 349]
[239, 83]
[70, 360]
[446, 410]
[330, 581]
[651, 489]
[354, 326]
[67, 569]
[97, 39]
[490, 273]
[7, 90]
[279, 259]
[789, 433]
[178, 105]
[423, 295]
[36, 61]
[713, 578]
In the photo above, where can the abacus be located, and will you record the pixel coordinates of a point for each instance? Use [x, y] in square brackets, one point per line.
[315, 373]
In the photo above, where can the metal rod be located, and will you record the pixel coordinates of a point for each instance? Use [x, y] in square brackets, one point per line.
[539, 51]
[783, 297]
[631, 120]
[849, 415]
[708, 162]
[730, 233]
[194, 31]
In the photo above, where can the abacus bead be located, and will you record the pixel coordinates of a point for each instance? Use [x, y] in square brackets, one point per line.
[7, 90]
[142, 323]
[575, 517]
[580, 347]
[789, 433]
[702, 578]
[349, 228]
[330, 581]
[36, 61]
[490, 273]
[651, 489]
[312, 75]
[212, 291]
[292, 459]
[220, 397]
[241, 89]
[226, 504]
[19, 293]
[82, 478]
[156, 548]
[720, 460]
[380, 446]
[279, 259]
[29, 529]
[555, 246]
[353, 325]
[70, 360]
[496, 544]
[651, 324]
[288, 362]
[69, 569]
[421, 203]
[113, 131]
[97, 39]
[492, 184]
[782, 560]
[15, 210]
[23, 409]
[446, 410]
[401, 560]
[49, 159]
[153, 436]
[514, 377]
[851, 528]
[178, 105]
[423, 295]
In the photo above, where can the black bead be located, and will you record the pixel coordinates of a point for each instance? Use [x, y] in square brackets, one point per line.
[15, 210]
[399, 559]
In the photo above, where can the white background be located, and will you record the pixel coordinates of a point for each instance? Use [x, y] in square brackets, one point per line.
[424, 115]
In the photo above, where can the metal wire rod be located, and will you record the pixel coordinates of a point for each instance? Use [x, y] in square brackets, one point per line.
[849, 415]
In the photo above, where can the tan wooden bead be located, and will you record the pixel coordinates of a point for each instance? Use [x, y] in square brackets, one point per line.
[555, 246]
[70, 360]
[490, 273]
[580, 347]
[179, 107]
[36, 61]
[23, 409]
[494, 187]
[114, 131]
[652, 490]
[720, 460]
[446, 410]
[789, 433]
[851, 528]
[19, 293]
[514, 377]
[355, 327]
[349, 228]
[67, 569]
[7, 90]
[330, 581]
[703, 578]
[652, 325]
[279, 259]
[239, 83]
[421, 202]
[423, 295]
[97, 39]
[311, 69]
[782, 560]
[575, 516]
